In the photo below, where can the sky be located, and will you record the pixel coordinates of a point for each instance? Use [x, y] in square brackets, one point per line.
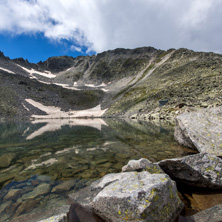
[38, 29]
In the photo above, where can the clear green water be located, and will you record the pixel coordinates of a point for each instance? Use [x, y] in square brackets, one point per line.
[42, 162]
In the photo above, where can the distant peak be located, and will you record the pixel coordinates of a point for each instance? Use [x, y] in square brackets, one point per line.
[3, 56]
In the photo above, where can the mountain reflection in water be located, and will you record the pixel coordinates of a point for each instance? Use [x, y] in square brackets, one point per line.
[56, 124]
[41, 162]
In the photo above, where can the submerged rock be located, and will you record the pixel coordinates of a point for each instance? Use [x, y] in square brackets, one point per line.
[26, 207]
[65, 186]
[40, 190]
[12, 194]
[132, 196]
[6, 159]
[203, 200]
[199, 170]
[5, 205]
[201, 130]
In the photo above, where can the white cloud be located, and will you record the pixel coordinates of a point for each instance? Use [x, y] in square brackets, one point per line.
[75, 48]
[197, 12]
[107, 24]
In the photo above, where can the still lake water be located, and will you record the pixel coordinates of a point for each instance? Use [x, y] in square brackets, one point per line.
[41, 162]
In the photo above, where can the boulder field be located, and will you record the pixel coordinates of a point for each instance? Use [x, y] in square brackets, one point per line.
[146, 191]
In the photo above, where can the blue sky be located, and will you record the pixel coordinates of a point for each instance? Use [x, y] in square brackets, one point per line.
[38, 29]
[36, 47]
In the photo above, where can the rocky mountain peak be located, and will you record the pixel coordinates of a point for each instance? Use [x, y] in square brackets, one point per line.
[57, 64]
[126, 82]
[2, 56]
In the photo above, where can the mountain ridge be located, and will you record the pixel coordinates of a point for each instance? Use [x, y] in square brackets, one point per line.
[124, 82]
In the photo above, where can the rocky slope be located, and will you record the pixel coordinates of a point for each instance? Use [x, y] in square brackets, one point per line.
[17, 86]
[128, 83]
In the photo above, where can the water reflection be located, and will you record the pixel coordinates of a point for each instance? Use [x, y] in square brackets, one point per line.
[41, 162]
[56, 124]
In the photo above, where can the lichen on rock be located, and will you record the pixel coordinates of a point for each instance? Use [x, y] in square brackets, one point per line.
[132, 196]
[201, 130]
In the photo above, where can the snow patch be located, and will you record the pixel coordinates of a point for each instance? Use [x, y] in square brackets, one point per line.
[66, 86]
[94, 86]
[31, 72]
[102, 85]
[47, 109]
[68, 69]
[90, 149]
[75, 84]
[90, 85]
[6, 70]
[99, 86]
[25, 107]
[56, 113]
[47, 83]
[77, 151]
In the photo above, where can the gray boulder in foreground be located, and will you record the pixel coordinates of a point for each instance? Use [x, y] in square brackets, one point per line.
[199, 170]
[132, 196]
[201, 130]
[213, 214]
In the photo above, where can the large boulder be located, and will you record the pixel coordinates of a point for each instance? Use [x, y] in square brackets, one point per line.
[201, 130]
[213, 214]
[199, 170]
[132, 196]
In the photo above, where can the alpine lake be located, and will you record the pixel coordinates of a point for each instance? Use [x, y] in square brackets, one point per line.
[42, 161]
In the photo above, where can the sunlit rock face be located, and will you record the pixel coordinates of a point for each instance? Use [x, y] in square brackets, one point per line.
[132, 196]
[201, 130]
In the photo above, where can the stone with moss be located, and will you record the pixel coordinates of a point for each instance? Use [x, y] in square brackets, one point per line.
[140, 165]
[132, 196]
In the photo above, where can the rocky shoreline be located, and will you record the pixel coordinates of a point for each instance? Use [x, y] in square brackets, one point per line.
[146, 191]
[126, 84]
